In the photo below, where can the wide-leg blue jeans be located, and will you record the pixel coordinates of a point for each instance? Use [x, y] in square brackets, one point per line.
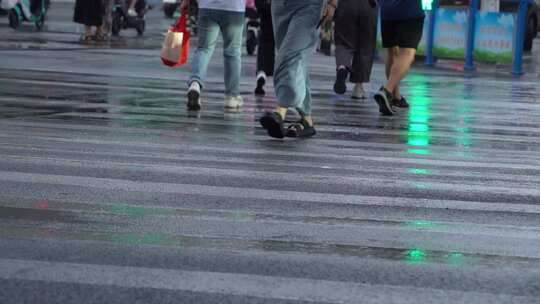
[295, 23]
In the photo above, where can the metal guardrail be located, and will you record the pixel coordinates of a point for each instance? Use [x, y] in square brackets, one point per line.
[517, 61]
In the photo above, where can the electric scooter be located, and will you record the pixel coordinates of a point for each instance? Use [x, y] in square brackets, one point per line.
[121, 20]
[170, 7]
[3, 12]
[33, 11]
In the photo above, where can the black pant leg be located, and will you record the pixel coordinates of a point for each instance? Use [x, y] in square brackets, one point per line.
[266, 50]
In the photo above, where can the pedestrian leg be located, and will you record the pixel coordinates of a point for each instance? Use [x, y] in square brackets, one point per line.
[362, 63]
[266, 50]
[344, 57]
[295, 25]
[208, 35]
[392, 55]
[232, 27]
[401, 64]
[107, 17]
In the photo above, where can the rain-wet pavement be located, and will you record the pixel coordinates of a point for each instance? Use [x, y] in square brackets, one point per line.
[111, 192]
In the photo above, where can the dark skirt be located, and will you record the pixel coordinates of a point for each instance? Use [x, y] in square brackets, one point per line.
[356, 25]
[89, 12]
[356, 36]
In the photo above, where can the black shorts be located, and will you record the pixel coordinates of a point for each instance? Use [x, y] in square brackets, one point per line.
[402, 33]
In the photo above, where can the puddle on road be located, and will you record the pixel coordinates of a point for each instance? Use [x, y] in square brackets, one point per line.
[47, 211]
[412, 256]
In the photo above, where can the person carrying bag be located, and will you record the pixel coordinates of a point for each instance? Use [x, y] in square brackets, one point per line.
[225, 17]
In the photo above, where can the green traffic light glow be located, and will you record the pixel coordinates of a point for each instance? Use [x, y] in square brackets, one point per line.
[426, 4]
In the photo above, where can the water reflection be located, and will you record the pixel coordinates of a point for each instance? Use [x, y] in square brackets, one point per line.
[419, 256]
[418, 171]
[419, 116]
[413, 256]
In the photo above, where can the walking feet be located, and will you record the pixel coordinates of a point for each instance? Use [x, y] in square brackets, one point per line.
[358, 92]
[194, 96]
[400, 103]
[233, 102]
[194, 99]
[273, 123]
[340, 86]
[261, 81]
[384, 99]
[301, 128]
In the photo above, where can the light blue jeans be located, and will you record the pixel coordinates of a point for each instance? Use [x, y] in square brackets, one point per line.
[295, 23]
[231, 25]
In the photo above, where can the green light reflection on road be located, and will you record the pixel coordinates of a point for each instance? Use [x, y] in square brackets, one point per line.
[463, 113]
[455, 258]
[418, 129]
[420, 256]
[143, 239]
[421, 224]
[418, 171]
[138, 210]
[415, 256]
[419, 151]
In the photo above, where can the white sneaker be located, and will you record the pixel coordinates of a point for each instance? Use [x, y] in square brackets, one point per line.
[132, 13]
[358, 92]
[234, 102]
[194, 96]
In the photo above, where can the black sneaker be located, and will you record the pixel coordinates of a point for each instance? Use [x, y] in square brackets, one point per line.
[259, 90]
[340, 86]
[400, 103]
[384, 98]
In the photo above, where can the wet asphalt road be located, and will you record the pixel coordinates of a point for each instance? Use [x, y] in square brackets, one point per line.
[111, 192]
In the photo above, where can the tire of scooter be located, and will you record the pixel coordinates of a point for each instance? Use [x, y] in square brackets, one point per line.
[116, 24]
[169, 10]
[141, 27]
[40, 23]
[14, 21]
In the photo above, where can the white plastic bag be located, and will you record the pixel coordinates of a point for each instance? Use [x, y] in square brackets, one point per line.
[8, 4]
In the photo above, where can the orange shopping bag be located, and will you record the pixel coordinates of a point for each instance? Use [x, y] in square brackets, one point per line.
[175, 49]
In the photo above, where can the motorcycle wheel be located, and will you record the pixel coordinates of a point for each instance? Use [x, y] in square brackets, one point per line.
[40, 23]
[141, 27]
[169, 10]
[116, 24]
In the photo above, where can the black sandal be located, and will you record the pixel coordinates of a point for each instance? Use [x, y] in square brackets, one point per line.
[273, 123]
[301, 128]
[86, 38]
